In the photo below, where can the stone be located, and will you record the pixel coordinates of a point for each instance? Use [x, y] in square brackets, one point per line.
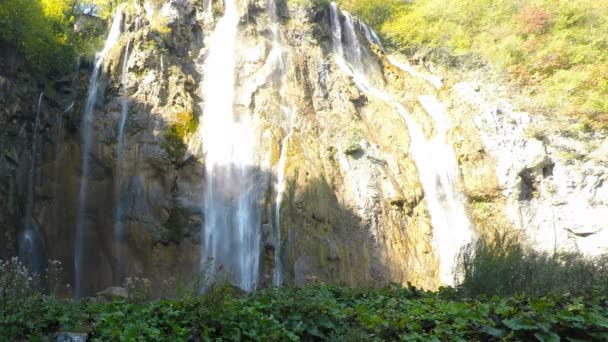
[71, 337]
[113, 293]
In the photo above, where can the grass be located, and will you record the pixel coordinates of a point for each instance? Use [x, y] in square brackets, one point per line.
[505, 267]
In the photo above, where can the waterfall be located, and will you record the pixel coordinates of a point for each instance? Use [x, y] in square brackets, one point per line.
[232, 212]
[348, 56]
[370, 34]
[336, 29]
[434, 159]
[351, 46]
[277, 63]
[438, 173]
[208, 9]
[281, 186]
[87, 137]
[119, 233]
[31, 246]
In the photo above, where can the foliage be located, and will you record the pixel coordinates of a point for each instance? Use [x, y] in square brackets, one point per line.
[15, 280]
[138, 289]
[24, 312]
[42, 31]
[375, 12]
[311, 313]
[503, 266]
[176, 135]
[320, 313]
[554, 49]
[100, 8]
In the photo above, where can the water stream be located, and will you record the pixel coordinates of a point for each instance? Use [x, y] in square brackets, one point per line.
[119, 210]
[232, 213]
[87, 138]
[434, 158]
[31, 246]
[438, 172]
[276, 55]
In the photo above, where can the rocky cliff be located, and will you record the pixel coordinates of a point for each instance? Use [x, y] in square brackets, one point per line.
[352, 208]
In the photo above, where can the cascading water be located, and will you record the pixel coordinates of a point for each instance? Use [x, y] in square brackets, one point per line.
[438, 171]
[232, 212]
[276, 55]
[208, 9]
[31, 247]
[434, 159]
[87, 126]
[281, 186]
[119, 234]
[370, 34]
[351, 47]
[348, 55]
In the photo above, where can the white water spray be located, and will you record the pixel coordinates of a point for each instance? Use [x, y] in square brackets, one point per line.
[87, 136]
[232, 215]
[438, 171]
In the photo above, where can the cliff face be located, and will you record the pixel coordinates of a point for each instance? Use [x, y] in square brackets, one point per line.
[352, 208]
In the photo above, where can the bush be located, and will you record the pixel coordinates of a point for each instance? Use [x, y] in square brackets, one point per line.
[319, 313]
[24, 312]
[505, 267]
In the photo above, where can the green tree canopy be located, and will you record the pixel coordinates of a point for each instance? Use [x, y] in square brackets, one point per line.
[42, 31]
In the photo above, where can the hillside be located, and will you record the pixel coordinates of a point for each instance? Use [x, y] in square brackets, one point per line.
[551, 50]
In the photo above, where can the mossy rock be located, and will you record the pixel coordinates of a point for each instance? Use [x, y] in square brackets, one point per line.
[177, 133]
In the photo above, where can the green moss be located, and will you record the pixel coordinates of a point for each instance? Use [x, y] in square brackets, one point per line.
[176, 135]
[570, 155]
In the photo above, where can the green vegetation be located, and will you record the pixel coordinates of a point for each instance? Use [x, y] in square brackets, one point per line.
[553, 49]
[175, 136]
[315, 313]
[569, 306]
[42, 31]
[503, 266]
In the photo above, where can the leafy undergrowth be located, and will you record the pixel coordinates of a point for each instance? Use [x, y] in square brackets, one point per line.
[316, 313]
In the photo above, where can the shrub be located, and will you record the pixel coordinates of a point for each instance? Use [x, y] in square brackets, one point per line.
[15, 280]
[138, 289]
[503, 266]
[532, 20]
